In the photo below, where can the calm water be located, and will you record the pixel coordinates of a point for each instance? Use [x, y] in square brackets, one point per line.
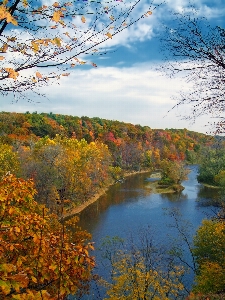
[129, 206]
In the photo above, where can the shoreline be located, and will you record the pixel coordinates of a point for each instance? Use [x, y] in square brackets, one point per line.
[100, 193]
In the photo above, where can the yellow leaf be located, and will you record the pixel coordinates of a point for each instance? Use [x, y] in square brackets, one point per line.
[34, 80]
[34, 279]
[56, 16]
[82, 62]
[35, 46]
[111, 18]
[5, 287]
[83, 19]
[108, 34]
[38, 75]
[25, 3]
[11, 210]
[67, 34]
[10, 19]
[57, 41]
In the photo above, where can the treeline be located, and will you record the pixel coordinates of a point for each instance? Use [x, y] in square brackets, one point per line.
[70, 158]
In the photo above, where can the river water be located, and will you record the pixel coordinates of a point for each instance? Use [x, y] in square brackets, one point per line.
[129, 206]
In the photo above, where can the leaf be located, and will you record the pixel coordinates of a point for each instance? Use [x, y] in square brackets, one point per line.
[25, 3]
[94, 65]
[35, 46]
[57, 41]
[83, 19]
[108, 34]
[34, 279]
[11, 19]
[2, 57]
[5, 287]
[111, 18]
[148, 13]
[67, 34]
[57, 16]
[38, 75]
[56, 4]
[12, 73]
[11, 210]
[65, 74]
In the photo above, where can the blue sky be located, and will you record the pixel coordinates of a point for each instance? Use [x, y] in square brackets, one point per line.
[127, 85]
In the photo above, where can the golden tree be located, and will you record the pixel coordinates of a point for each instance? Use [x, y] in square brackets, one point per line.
[40, 258]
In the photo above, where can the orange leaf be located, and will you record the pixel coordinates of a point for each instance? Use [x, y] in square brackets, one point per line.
[2, 57]
[56, 4]
[38, 75]
[108, 34]
[83, 19]
[12, 73]
[65, 74]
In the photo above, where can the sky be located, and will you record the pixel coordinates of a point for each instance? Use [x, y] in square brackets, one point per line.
[127, 84]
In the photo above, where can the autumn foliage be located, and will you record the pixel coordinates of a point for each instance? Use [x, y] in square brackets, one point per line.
[40, 258]
[43, 41]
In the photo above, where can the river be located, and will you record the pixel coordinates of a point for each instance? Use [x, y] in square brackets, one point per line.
[129, 206]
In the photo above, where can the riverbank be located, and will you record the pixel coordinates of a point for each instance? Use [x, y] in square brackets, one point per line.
[101, 192]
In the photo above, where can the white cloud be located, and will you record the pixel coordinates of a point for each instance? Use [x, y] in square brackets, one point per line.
[138, 94]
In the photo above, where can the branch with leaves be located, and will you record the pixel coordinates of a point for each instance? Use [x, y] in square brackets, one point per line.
[55, 37]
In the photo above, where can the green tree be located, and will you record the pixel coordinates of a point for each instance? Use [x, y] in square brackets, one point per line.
[209, 249]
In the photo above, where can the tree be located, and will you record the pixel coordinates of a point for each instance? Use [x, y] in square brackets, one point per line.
[40, 257]
[36, 37]
[9, 161]
[173, 172]
[141, 269]
[198, 53]
[209, 248]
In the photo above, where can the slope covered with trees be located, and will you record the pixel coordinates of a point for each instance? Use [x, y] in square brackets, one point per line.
[70, 158]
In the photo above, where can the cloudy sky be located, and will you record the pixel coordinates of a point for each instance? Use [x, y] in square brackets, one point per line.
[127, 84]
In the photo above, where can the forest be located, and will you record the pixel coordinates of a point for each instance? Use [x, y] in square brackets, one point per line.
[51, 163]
